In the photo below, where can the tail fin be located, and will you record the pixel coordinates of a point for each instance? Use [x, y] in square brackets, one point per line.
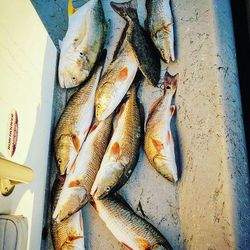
[71, 9]
[170, 83]
[126, 10]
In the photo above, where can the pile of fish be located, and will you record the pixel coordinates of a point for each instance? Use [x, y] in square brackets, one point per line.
[98, 136]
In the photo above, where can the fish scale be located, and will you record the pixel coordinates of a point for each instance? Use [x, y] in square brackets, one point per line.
[159, 22]
[82, 44]
[127, 227]
[74, 123]
[159, 144]
[64, 233]
[79, 180]
[122, 153]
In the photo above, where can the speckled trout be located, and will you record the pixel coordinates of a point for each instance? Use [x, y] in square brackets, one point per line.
[122, 153]
[68, 234]
[159, 144]
[147, 58]
[82, 44]
[129, 229]
[159, 22]
[76, 189]
[74, 124]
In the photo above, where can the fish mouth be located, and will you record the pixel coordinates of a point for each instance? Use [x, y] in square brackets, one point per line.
[73, 203]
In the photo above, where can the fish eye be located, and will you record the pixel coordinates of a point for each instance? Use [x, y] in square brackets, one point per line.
[81, 54]
[74, 78]
[59, 162]
[108, 188]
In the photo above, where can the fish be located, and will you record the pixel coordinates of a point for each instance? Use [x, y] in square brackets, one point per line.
[68, 234]
[147, 57]
[82, 44]
[130, 230]
[115, 82]
[76, 189]
[74, 124]
[160, 25]
[122, 153]
[159, 143]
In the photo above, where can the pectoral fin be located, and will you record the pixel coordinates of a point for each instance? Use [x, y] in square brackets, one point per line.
[157, 144]
[123, 74]
[143, 244]
[172, 110]
[115, 151]
[76, 142]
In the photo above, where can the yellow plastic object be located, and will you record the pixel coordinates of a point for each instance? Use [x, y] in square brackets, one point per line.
[11, 174]
[71, 9]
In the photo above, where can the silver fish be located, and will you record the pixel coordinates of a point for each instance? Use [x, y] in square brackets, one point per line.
[82, 44]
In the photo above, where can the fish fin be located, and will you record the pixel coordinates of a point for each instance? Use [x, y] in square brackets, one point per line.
[126, 10]
[157, 144]
[115, 150]
[168, 26]
[126, 246]
[95, 125]
[143, 244]
[123, 74]
[120, 199]
[170, 82]
[172, 110]
[76, 142]
[153, 108]
[71, 9]
[168, 137]
[74, 183]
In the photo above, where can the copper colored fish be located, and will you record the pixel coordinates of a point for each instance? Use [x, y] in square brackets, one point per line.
[122, 153]
[131, 230]
[68, 234]
[80, 178]
[147, 58]
[159, 144]
[74, 124]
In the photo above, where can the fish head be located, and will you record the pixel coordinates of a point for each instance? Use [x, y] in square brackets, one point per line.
[74, 68]
[64, 153]
[72, 198]
[107, 180]
[166, 166]
[170, 83]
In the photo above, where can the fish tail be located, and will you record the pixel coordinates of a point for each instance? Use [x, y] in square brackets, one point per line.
[126, 10]
[71, 9]
[170, 83]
